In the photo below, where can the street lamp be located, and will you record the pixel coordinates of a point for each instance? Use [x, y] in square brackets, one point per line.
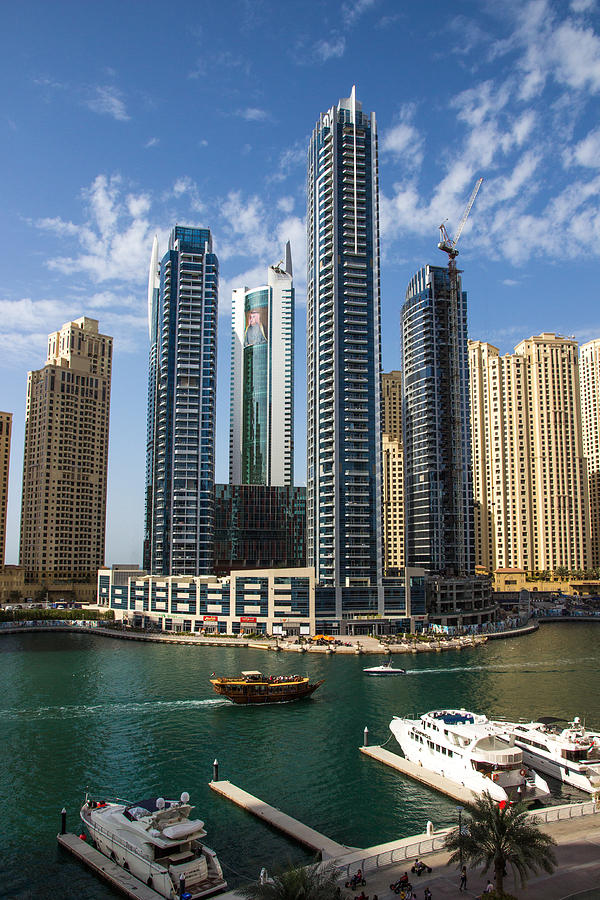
[459, 810]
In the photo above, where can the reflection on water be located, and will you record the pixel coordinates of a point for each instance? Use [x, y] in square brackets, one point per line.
[83, 712]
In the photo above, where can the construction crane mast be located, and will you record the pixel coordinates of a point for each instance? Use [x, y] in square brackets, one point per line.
[454, 524]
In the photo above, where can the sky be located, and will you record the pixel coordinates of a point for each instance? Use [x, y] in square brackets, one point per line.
[120, 119]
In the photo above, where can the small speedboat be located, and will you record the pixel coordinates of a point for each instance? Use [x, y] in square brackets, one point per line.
[385, 669]
[157, 842]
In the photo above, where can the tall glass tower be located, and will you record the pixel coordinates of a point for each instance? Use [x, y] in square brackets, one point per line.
[439, 518]
[344, 540]
[261, 433]
[180, 470]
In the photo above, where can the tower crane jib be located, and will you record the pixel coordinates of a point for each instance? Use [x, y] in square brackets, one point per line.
[447, 244]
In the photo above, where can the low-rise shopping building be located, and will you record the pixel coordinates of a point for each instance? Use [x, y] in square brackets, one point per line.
[267, 601]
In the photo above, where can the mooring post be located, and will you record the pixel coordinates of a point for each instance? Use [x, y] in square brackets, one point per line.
[366, 737]
[63, 821]
[216, 770]
[181, 885]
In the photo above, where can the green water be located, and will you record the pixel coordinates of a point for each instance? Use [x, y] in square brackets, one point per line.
[130, 719]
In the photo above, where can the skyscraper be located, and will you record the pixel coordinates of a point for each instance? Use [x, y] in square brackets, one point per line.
[261, 431]
[531, 494]
[63, 514]
[437, 445]
[392, 455]
[5, 434]
[343, 351]
[180, 470]
[589, 376]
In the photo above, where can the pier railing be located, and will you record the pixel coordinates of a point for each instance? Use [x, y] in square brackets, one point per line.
[409, 849]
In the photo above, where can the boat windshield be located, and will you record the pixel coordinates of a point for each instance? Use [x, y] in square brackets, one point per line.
[455, 718]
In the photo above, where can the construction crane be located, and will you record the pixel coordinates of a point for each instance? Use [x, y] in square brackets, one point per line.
[448, 245]
[455, 534]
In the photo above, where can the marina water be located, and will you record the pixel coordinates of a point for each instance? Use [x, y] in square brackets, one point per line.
[82, 712]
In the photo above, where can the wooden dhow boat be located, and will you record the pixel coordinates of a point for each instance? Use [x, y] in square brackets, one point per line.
[254, 687]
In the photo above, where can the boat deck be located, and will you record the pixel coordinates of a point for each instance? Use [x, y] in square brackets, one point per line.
[425, 776]
[328, 848]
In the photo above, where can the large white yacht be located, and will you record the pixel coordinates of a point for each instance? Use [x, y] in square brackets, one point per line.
[570, 754]
[157, 842]
[465, 748]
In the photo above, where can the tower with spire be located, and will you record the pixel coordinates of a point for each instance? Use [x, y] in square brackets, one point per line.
[261, 431]
[344, 530]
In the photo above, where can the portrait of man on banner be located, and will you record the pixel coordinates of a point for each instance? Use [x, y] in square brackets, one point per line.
[255, 332]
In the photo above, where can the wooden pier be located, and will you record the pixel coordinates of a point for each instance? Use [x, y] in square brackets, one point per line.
[328, 848]
[117, 877]
[425, 776]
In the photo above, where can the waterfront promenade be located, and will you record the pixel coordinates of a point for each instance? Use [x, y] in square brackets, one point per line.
[348, 644]
[578, 870]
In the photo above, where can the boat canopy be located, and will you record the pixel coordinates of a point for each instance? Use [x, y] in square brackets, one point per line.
[251, 672]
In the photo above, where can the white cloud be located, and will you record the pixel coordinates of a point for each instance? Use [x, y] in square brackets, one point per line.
[285, 204]
[254, 114]
[351, 12]
[108, 101]
[332, 49]
[587, 152]
[116, 238]
[27, 350]
[404, 140]
[290, 159]
[582, 6]
[26, 323]
[151, 142]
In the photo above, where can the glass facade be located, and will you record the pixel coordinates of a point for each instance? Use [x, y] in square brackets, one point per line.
[343, 354]
[258, 526]
[255, 410]
[181, 410]
[436, 425]
[261, 429]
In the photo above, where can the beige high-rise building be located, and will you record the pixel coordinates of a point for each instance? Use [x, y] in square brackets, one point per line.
[5, 435]
[529, 470]
[392, 472]
[63, 514]
[391, 404]
[589, 378]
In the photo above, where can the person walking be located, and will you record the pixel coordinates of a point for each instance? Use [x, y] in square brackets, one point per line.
[463, 879]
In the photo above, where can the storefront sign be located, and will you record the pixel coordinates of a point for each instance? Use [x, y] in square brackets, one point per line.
[247, 618]
[210, 618]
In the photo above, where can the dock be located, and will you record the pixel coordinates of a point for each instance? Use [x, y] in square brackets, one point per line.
[328, 848]
[117, 877]
[418, 773]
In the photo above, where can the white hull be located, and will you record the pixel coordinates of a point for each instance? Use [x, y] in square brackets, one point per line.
[562, 754]
[203, 875]
[441, 752]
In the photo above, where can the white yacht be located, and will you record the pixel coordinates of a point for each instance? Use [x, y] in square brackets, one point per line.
[157, 842]
[466, 748]
[570, 754]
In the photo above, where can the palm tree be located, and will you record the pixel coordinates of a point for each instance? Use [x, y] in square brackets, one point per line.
[497, 835]
[314, 882]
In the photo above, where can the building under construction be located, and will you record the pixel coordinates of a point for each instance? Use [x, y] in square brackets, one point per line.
[437, 445]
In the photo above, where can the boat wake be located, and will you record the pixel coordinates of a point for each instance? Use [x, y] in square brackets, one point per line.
[76, 712]
[556, 665]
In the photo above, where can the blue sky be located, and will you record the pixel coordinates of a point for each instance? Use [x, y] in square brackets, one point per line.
[119, 119]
